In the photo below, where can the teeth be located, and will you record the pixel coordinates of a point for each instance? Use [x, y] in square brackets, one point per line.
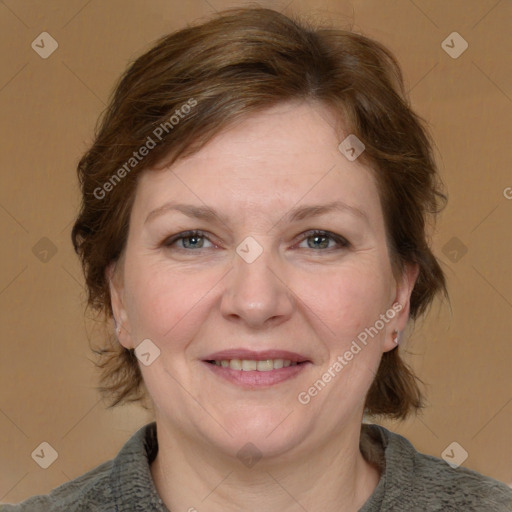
[235, 364]
[265, 366]
[248, 365]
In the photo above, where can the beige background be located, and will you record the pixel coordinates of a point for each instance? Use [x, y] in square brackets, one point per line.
[49, 108]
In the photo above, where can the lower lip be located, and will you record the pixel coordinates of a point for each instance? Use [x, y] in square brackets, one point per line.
[255, 379]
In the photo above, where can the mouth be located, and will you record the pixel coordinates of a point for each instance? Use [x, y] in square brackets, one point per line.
[256, 369]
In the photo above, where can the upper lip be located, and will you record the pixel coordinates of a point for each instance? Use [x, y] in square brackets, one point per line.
[241, 353]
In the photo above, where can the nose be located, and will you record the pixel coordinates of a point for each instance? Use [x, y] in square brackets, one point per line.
[256, 293]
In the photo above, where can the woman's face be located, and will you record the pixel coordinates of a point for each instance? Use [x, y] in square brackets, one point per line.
[257, 284]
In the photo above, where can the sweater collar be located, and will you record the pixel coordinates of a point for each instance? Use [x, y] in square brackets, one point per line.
[130, 479]
[133, 487]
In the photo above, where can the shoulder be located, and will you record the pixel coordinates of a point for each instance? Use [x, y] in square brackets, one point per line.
[108, 486]
[431, 483]
[459, 488]
[92, 489]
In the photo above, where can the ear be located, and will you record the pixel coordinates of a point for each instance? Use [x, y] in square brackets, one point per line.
[401, 304]
[117, 299]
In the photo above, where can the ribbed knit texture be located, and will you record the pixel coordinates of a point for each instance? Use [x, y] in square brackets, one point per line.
[410, 481]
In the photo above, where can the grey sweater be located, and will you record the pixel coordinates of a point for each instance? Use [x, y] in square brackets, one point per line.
[410, 481]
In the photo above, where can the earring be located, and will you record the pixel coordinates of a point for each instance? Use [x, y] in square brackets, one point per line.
[395, 336]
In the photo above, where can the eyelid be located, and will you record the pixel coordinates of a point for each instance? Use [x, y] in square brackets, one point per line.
[340, 240]
[171, 240]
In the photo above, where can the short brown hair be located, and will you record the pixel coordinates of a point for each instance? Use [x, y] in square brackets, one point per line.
[238, 63]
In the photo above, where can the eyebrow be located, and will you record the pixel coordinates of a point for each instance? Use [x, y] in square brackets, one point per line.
[295, 214]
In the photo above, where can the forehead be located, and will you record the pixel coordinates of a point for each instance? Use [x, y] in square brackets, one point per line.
[267, 162]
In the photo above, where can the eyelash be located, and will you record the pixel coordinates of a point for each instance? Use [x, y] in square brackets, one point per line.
[342, 242]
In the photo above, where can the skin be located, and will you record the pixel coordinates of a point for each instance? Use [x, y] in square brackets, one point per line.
[295, 296]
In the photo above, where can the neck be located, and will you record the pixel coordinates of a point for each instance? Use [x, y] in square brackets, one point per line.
[190, 475]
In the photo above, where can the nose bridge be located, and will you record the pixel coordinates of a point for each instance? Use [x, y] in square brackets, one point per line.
[255, 291]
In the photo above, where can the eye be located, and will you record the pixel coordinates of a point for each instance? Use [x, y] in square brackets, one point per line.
[187, 240]
[318, 239]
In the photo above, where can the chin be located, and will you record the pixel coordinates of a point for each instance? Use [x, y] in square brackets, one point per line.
[268, 433]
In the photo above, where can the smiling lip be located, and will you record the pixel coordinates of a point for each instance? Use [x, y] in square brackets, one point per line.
[256, 379]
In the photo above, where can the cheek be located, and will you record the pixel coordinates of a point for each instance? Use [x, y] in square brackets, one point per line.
[345, 300]
[163, 302]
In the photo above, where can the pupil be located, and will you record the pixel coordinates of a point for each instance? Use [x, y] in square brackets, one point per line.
[320, 237]
[194, 240]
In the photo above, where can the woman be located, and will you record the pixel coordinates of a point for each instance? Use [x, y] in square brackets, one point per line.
[254, 221]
